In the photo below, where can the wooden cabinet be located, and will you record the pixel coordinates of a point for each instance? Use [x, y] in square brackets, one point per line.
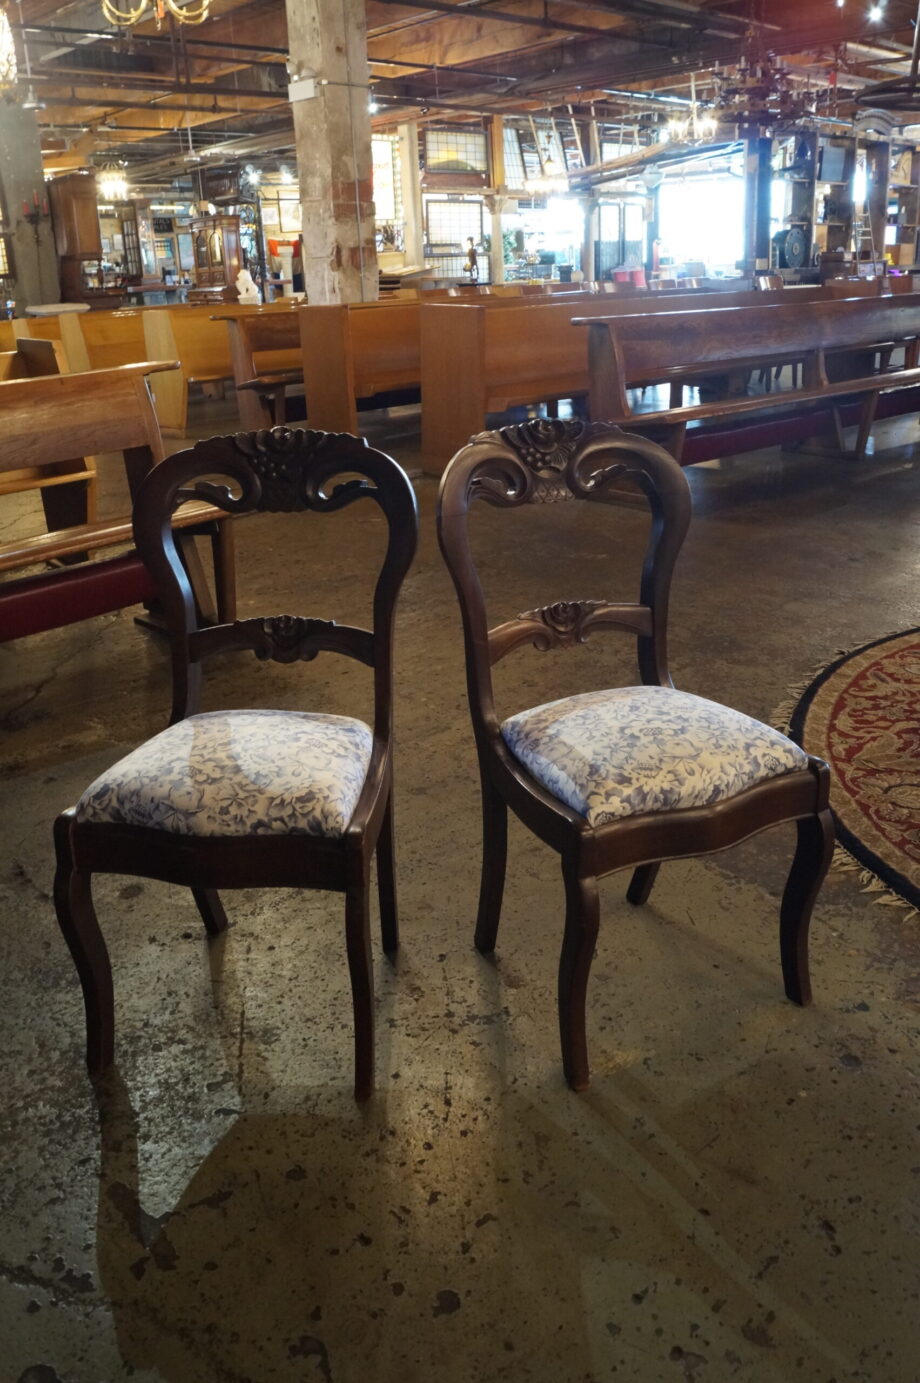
[216, 245]
[78, 241]
[75, 216]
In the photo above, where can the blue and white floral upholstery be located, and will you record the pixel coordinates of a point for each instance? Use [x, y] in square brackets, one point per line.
[239, 773]
[631, 750]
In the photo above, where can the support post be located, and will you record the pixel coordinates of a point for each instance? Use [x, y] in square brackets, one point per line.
[332, 130]
[34, 263]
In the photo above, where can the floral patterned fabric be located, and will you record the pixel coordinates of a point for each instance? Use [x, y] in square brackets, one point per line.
[239, 773]
[612, 754]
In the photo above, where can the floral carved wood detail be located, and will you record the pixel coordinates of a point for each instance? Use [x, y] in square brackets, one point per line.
[547, 460]
[564, 624]
[285, 470]
[288, 638]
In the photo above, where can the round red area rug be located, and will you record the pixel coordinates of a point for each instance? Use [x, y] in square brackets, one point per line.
[862, 714]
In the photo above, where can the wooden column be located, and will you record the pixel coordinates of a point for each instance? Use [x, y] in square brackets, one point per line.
[411, 193]
[332, 129]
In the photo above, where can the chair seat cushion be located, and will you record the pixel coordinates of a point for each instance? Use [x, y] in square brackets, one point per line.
[619, 753]
[239, 773]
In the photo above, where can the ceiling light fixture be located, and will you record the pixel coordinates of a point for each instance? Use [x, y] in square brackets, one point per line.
[112, 185]
[160, 10]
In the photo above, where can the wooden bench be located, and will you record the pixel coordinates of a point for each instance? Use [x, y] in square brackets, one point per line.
[67, 488]
[360, 355]
[487, 358]
[267, 362]
[193, 335]
[43, 422]
[626, 351]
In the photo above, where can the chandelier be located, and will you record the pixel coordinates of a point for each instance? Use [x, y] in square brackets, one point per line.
[7, 54]
[112, 186]
[195, 13]
[759, 91]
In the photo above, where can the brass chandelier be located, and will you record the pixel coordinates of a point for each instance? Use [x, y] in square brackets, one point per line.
[7, 54]
[125, 16]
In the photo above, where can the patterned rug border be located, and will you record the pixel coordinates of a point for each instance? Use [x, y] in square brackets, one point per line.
[851, 856]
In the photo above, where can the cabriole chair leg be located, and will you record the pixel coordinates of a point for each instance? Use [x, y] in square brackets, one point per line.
[814, 848]
[77, 920]
[582, 914]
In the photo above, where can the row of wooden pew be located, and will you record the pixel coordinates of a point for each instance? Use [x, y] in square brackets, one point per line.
[469, 356]
[484, 357]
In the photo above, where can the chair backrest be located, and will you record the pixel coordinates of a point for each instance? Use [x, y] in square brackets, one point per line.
[543, 462]
[769, 282]
[276, 471]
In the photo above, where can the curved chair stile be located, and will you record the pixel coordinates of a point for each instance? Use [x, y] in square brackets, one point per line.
[290, 798]
[586, 797]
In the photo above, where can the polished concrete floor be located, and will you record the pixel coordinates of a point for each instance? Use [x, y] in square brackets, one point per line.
[737, 1195]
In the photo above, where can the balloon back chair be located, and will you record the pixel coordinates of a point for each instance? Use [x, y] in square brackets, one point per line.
[251, 798]
[626, 777]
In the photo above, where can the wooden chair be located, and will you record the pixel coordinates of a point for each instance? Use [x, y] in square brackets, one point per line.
[251, 799]
[623, 778]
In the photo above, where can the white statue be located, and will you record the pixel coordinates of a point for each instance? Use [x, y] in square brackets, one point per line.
[246, 288]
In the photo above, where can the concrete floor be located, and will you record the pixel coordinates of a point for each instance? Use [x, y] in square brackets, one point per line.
[737, 1196]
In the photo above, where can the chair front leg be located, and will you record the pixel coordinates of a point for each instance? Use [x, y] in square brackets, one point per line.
[360, 966]
[494, 859]
[386, 880]
[77, 920]
[582, 914]
[814, 848]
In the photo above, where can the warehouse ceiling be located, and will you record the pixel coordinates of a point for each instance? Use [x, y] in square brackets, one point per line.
[171, 102]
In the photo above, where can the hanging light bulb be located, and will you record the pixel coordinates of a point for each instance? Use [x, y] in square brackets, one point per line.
[113, 186]
[7, 54]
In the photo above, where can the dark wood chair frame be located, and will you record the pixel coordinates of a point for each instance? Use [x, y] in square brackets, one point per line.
[552, 460]
[277, 470]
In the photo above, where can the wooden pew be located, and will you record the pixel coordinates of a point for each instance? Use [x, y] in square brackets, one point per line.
[44, 422]
[267, 362]
[353, 351]
[626, 351]
[368, 354]
[193, 335]
[67, 488]
[487, 358]
[103, 340]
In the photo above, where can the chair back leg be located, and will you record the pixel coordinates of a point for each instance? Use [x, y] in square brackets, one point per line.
[360, 968]
[211, 908]
[494, 859]
[386, 880]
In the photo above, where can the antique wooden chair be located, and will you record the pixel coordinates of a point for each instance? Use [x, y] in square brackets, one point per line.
[250, 798]
[626, 777]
